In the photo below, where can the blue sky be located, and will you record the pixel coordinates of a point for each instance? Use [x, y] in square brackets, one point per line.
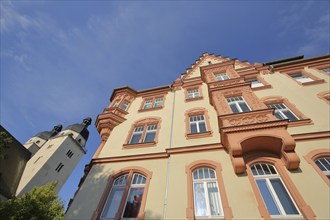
[60, 60]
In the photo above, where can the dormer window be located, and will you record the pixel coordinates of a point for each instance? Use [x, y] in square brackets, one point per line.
[221, 76]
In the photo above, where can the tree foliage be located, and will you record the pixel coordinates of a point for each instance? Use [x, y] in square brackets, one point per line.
[5, 141]
[40, 203]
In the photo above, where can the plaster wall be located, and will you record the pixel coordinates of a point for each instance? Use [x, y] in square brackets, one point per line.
[303, 97]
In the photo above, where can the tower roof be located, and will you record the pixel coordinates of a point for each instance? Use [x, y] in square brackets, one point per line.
[81, 128]
[48, 134]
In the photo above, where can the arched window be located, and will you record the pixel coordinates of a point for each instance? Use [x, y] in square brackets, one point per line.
[207, 202]
[206, 191]
[324, 164]
[125, 197]
[274, 193]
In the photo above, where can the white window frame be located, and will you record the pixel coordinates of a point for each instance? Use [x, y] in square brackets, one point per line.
[134, 185]
[267, 177]
[205, 181]
[236, 101]
[147, 104]
[196, 119]
[193, 93]
[119, 183]
[255, 82]
[158, 102]
[300, 77]
[279, 109]
[221, 76]
[137, 130]
[150, 129]
[321, 164]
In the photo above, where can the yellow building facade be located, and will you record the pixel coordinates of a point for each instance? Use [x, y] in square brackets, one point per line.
[226, 140]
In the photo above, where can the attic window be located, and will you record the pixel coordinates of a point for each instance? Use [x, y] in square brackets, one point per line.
[79, 140]
[210, 62]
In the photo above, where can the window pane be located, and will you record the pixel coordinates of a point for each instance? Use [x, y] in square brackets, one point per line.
[214, 199]
[318, 163]
[284, 197]
[193, 128]
[150, 137]
[234, 108]
[290, 116]
[133, 203]
[267, 197]
[202, 126]
[278, 115]
[113, 203]
[200, 203]
[135, 138]
[244, 107]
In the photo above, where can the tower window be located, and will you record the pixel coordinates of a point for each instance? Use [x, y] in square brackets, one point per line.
[59, 167]
[69, 153]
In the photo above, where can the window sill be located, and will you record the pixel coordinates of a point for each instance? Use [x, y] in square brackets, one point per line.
[262, 87]
[194, 99]
[150, 109]
[139, 145]
[318, 81]
[199, 135]
[300, 122]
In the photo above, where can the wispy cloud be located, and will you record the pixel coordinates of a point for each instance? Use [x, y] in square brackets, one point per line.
[313, 29]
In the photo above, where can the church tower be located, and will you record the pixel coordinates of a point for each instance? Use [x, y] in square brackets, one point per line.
[55, 154]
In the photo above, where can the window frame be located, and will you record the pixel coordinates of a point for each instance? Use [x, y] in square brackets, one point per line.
[119, 103]
[221, 73]
[238, 107]
[314, 155]
[194, 87]
[145, 123]
[197, 112]
[190, 210]
[130, 171]
[315, 80]
[272, 191]
[280, 112]
[265, 84]
[303, 120]
[303, 208]
[153, 102]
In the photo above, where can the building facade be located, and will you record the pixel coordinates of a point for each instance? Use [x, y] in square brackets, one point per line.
[227, 140]
[55, 154]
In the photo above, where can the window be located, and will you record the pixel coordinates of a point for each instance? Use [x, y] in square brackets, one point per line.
[274, 193]
[283, 112]
[206, 197]
[207, 202]
[69, 153]
[325, 96]
[144, 132]
[193, 93]
[255, 83]
[132, 200]
[221, 76]
[324, 164]
[116, 103]
[326, 70]
[197, 124]
[139, 137]
[153, 103]
[59, 167]
[238, 104]
[124, 106]
[301, 77]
